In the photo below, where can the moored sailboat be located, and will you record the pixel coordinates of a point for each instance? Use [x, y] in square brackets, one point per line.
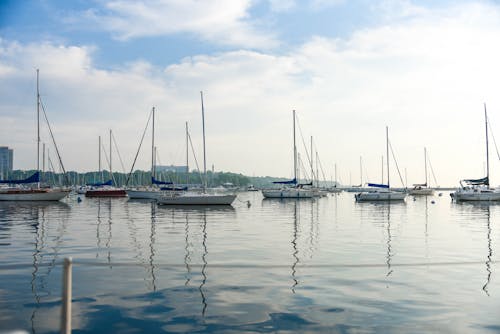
[192, 198]
[422, 188]
[33, 192]
[381, 192]
[478, 189]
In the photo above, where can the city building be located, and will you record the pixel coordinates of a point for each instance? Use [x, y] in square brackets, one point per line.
[6, 160]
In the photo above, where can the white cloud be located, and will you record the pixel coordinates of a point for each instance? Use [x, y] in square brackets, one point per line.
[425, 78]
[223, 22]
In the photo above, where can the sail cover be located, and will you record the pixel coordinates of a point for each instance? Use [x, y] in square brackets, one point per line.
[155, 181]
[294, 181]
[477, 182]
[32, 179]
[376, 185]
[100, 184]
[174, 188]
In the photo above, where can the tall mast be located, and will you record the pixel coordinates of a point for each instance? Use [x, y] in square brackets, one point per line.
[153, 147]
[387, 152]
[425, 165]
[487, 151]
[361, 171]
[187, 148]
[335, 175]
[204, 148]
[38, 122]
[312, 162]
[317, 169]
[382, 169]
[294, 151]
[100, 170]
[110, 158]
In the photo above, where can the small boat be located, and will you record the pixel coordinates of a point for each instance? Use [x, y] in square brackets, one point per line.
[381, 192]
[291, 188]
[478, 189]
[252, 188]
[422, 189]
[21, 192]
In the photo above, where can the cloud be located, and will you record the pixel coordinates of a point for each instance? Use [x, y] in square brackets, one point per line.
[222, 22]
[426, 78]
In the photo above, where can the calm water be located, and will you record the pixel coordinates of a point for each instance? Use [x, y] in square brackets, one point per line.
[326, 265]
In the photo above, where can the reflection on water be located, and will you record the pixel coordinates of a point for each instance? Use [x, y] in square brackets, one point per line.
[321, 265]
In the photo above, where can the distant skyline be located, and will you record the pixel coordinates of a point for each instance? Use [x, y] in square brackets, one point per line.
[349, 69]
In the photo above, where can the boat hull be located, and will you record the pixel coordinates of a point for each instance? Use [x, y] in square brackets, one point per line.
[143, 194]
[106, 193]
[34, 195]
[422, 192]
[380, 196]
[288, 193]
[475, 196]
[186, 199]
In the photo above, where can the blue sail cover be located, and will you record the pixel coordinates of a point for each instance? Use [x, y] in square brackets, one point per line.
[100, 184]
[174, 188]
[306, 184]
[477, 182]
[32, 179]
[376, 185]
[155, 181]
[294, 181]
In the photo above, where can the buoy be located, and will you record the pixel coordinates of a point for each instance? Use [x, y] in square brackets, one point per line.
[440, 194]
[249, 204]
[433, 202]
[78, 199]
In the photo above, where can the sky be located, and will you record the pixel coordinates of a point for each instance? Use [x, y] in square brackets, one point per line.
[425, 69]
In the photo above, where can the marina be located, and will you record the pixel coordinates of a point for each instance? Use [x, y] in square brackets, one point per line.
[308, 265]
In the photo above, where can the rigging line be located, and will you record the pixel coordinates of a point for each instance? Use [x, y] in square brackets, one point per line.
[304, 143]
[51, 166]
[107, 160]
[432, 169]
[396, 162]
[194, 155]
[320, 165]
[54, 141]
[139, 148]
[118, 151]
[306, 175]
[493, 136]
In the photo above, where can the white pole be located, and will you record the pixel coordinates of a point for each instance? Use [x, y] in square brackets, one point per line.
[66, 296]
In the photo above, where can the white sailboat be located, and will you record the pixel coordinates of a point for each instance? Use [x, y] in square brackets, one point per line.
[422, 189]
[381, 192]
[290, 189]
[32, 193]
[478, 189]
[191, 198]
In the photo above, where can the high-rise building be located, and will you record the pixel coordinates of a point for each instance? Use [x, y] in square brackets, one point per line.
[6, 159]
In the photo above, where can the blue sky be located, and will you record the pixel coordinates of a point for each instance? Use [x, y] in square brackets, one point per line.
[349, 68]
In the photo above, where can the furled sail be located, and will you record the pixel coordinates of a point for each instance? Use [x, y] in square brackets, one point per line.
[294, 181]
[477, 182]
[32, 179]
[376, 185]
[155, 181]
[100, 184]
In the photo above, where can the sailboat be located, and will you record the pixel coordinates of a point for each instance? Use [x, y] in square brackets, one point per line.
[478, 189]
[151, 192]
[105, 189]
[192, 198]
[381, 192]
[422, 188]
[291, 188]
[33, 193]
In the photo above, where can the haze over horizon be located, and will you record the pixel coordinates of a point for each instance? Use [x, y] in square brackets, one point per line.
[349, 69]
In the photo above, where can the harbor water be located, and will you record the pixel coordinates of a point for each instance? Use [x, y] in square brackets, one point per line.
[326, 265]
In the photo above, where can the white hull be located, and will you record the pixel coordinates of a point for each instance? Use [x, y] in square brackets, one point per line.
[288, 193]
[380, 196]
[20, 195]
[471, 195]
[195, 199]
[422, 192]
[144, 194]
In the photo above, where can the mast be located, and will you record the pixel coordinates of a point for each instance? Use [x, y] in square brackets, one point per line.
[294, 151]
[425, 165]
[100, 170]
[110, 158]
[361, 171]
[335, 175]
[187, 148]
[312, 162]
[387, 152]
[38, 122]
[317, 169]
[153, 148]
[204, 148]
[382, 169]
[487, 151]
